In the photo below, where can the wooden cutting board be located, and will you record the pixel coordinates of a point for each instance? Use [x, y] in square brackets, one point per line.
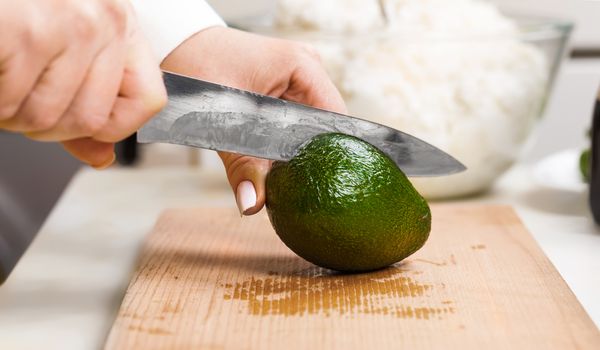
[208, 279]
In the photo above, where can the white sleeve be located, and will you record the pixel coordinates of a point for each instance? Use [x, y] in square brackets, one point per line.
[168, 23]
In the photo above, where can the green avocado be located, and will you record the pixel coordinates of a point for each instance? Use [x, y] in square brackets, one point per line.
[342, 204]
[584, 165]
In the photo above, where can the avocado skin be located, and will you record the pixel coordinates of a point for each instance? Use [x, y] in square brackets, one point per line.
[342, 204]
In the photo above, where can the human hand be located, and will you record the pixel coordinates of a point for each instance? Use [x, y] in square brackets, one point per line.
[77, 72]
[264, 65]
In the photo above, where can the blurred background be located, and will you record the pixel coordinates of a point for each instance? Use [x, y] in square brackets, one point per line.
[34, 175]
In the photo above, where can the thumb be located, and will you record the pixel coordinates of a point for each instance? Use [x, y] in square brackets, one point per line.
[247, 177]
[97, 154]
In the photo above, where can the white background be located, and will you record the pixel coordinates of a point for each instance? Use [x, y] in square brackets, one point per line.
[586, 13]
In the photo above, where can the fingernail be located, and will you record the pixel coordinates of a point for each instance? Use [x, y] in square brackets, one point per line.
[245, 196]
[106, 164]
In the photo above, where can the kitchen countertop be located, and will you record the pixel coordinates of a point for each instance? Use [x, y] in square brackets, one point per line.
[66, 290]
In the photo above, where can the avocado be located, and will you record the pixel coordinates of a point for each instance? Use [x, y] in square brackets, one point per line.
[584, 165]
[342, 204]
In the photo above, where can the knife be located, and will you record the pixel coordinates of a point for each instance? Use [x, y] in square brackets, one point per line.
[211, 116]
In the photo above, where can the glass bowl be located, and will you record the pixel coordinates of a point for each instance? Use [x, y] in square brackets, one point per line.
[477, 96]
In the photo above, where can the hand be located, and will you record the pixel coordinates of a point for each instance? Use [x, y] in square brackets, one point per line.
[264, 65]
[77, 72]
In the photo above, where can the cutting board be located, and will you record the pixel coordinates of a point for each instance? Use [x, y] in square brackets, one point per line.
[208, 279]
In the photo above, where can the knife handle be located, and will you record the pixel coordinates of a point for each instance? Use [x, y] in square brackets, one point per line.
[127, 151]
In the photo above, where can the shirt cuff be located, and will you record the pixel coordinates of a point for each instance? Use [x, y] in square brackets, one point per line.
[168, 23]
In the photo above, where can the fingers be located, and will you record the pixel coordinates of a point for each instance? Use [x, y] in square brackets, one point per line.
[52, 94]
[247, 177]
[18, 75]
[310, 84]
[78, 73]
[89, 112]
[117, 97]
[97, 154]
[142, 94]
[24, 54]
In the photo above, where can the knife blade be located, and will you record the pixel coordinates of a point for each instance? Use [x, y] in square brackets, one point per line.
[212, 116]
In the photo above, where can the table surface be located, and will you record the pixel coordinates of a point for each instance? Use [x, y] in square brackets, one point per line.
[66, 290]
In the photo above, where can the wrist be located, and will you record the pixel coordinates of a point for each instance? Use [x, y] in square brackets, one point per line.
[193, 55]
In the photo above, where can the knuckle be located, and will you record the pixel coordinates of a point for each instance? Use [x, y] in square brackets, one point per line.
[156, 101]
[308, 51]
[39, 112]
[26, 30]
[41, 120]
[237, 164]
[9, 110]
[84, 30]
[29, 35]
[118, 13]
[86, 24]
[89, 124]
[29, 32]
[161, 101]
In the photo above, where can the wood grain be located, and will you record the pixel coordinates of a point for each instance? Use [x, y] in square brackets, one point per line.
[210, 280]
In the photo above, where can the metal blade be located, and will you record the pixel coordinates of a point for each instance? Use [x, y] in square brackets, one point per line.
[206, 115]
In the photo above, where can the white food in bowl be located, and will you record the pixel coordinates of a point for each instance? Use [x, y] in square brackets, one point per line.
[478, 102]
[341, 16]
[457, 77]
[447, 17]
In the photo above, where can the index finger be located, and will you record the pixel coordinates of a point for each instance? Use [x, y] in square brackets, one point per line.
[142, 94]
[310, 85]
